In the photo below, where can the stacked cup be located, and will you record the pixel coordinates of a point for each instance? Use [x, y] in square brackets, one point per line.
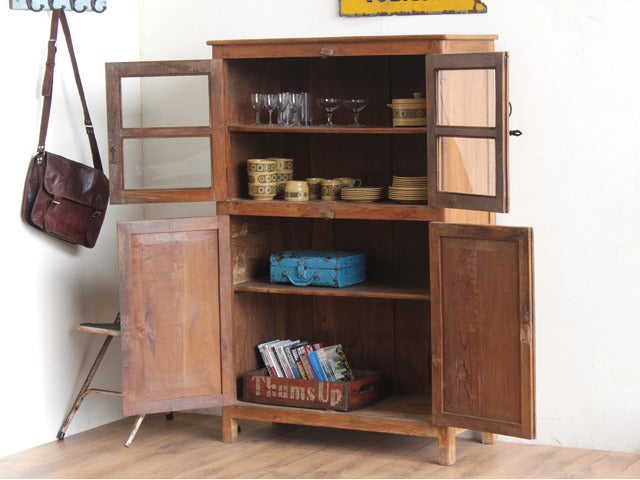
[284, 173]
[262, 178]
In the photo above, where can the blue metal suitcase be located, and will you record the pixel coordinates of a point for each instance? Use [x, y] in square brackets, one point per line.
[318, 268]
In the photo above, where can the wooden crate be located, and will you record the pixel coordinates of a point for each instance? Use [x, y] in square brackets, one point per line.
[367, 387]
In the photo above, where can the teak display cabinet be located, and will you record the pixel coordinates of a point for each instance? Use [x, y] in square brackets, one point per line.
[446, 313]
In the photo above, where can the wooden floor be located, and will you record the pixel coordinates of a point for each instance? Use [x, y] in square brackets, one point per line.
[189, 446]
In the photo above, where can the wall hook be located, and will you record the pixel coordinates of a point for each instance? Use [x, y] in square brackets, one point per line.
[30, 6]
[78, 6]
[93, 7]
[73, 6]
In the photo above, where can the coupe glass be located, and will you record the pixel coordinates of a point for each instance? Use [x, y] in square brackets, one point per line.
[329, 105]
[271, 102]
[257, 101]
[356, 105]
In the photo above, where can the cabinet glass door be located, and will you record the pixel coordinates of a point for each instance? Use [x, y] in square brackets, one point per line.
[175, 314]
[467, 131]
[482, 328]
[162, 136]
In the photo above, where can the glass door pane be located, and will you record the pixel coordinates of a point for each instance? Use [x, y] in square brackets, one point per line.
[161, 139]
[467, 131]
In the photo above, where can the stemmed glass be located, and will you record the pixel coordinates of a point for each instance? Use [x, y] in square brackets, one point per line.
[271, 102]
[257, 101]
[297, 102]
[329, 105]
[356, 105]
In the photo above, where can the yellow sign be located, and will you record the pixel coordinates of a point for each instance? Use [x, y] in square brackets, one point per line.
[409, 7]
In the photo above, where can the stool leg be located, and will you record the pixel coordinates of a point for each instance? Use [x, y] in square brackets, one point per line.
[134, 430]
[85, 387]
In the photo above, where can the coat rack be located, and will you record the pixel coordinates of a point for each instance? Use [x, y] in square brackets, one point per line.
[97, 6]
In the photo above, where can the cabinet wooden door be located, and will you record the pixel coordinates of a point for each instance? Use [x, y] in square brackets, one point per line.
[175, 288]
[482, 328]
[179, 157]
[467, 131]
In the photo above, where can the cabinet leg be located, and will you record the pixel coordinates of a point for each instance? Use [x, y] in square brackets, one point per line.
[447, 446]
[488, 438]
[229, 426]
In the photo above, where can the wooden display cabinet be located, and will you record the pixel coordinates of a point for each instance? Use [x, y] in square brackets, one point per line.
[446, 313]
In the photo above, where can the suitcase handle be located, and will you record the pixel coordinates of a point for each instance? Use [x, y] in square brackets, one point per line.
[305, 282]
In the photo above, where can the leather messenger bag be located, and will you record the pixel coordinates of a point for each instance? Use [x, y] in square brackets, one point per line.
[64, 198]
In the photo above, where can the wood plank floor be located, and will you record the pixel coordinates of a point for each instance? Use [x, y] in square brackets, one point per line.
[189, 447]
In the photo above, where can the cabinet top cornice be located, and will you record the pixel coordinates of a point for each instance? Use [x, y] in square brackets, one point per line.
[338, 46]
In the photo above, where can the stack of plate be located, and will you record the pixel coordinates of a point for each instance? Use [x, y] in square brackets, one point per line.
[361, 194]
[409, 189]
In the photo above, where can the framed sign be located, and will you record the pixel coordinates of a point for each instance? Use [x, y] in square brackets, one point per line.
[359, 8]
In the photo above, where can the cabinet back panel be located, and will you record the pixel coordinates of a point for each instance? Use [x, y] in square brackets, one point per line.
[341, 77]
[261, 76]
[261, 145]
[358, 156]
[372, 158]
[390, 336]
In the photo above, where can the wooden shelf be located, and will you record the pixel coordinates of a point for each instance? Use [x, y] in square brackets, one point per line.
[362, 290]
[337, 129]
[403, 414]
[385, 210]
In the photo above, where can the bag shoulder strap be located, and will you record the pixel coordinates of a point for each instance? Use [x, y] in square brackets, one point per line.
[58, 16]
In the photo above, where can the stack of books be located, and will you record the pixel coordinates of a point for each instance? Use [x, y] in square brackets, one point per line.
[302, 360]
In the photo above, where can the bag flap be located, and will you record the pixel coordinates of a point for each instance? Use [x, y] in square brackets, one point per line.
[64, 178]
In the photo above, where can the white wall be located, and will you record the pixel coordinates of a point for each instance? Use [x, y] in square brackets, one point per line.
[48, 286]
[574, 178]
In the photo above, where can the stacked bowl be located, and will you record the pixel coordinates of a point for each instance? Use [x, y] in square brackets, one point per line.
[409, 189]
[284, 174]
[262, 178]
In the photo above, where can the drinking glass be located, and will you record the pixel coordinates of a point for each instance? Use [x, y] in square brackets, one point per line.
[257, 101]
[284, 103]
[271, 102]
[329, 105]
[297, 102]
[356, 105]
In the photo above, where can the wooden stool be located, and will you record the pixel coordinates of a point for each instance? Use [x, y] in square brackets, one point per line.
[110, 330]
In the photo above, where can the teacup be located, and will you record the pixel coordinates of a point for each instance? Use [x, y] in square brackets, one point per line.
[330, 189]
[315, 187]
[349, 182]
[296, 191]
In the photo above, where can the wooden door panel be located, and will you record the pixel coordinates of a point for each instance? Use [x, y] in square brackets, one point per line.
[467, 131]
[482, 320]
[170, 309]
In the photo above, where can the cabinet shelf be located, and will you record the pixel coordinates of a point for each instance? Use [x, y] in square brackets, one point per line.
[403, 414]
[385, 210]
[337, 129]
[363, 290]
